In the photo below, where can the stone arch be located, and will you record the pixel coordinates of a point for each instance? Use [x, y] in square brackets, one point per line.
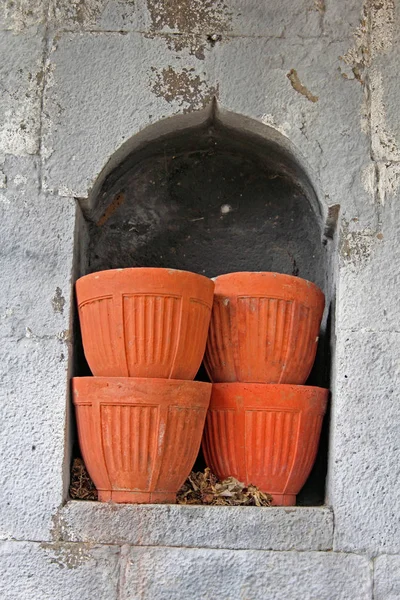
[217, 130]
[278, 149]
[213, 192]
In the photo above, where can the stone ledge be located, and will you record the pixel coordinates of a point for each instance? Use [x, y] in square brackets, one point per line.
[236, 528]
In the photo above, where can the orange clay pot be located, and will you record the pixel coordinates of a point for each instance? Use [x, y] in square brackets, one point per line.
[139, 437]
[264, 328]
[264, 434]
[144, 322]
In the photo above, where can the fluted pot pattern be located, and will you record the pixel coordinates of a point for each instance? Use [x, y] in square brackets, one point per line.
[264, 434]
[144, 322]
[264, 328]
[139, 437]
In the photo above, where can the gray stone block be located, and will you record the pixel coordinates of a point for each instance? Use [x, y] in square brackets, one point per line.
[20, 93]
[367, 280]
[33, 412]
[198, 526]
[296, 87]
[30, 571]
[177, 573]
[368, 291]
[365, 446]
[121, 83]
[36, 257]
[387, 577]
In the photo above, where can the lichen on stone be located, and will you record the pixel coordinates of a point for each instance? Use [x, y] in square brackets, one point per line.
[191, 21]
[58, 301]
[356, 245]
[66, 555]
[184, 87]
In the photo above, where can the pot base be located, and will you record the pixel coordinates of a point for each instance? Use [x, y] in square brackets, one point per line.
[128, 497]
[283, 499]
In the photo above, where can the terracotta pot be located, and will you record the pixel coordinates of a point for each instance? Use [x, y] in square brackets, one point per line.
[264, 434]
[144, 322]
[264, 328]
[139, 437]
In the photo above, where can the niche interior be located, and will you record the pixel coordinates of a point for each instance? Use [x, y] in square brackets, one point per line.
[213, 192]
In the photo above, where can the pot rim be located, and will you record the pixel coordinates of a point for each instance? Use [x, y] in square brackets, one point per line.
[282, 386]
[142, 390]
[150, 382]
[265, 275]
[241, 397]
[161, 270]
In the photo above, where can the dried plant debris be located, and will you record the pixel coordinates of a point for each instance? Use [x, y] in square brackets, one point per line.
[205, 488]
[81, 486]
[199, 488]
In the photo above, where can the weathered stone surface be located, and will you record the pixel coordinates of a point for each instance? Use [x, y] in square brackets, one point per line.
[102, 15]
[36, 256]
[339, 22]
[194, 18]
[304, 19]
[296, 87]
[130, 82]
[368, 291]
[33, 408]
[365, 446]
[364, 451]
[177, 573]
[374, 62]
[30, 571]
[190, 18]
[21, 76]
[234, 17]
[385, 128]
[387, 577]
[112, 67]
[18, 15]
[199, 526]
[36, 262]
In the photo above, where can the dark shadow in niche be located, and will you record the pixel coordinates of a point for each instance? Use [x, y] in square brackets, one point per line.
[313, 492]
[214, 200]
[211, 212]
[215, 210]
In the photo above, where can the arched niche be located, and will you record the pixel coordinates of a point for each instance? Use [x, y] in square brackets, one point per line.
[214, 192]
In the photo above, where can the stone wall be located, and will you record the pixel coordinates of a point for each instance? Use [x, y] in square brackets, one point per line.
[78, 81]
